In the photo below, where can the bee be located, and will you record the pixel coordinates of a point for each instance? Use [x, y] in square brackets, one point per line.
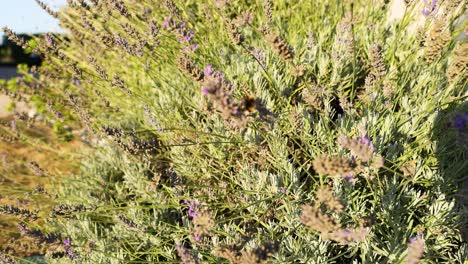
[249, 104]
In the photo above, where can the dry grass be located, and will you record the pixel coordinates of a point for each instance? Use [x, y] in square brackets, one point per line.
[18, 183]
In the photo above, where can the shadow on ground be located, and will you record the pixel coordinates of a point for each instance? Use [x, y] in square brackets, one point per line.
[451, 137]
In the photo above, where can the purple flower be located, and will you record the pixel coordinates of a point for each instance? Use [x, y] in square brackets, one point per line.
[460, 120]
[197, 238]
[429, 8]
[188, 35]
[219, 75]
[185, 256]
[167, 22]
[121, 41]
[193, 207]
[365, 140]
[71, 254]
[190, 48]
[205, 91]
[67, 246]
[49, 40]
[413, 240]
[259, 54]
[208, 70]
[282, 190]
[348, 177]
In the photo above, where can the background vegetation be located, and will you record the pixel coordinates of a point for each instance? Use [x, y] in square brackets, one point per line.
[12, 54]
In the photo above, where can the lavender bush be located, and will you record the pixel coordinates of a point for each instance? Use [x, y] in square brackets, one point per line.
[259, 131]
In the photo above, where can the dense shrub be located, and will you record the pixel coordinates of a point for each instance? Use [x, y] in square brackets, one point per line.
[250, 132]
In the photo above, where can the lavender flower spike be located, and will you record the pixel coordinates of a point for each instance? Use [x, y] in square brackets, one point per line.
[50, 40]
[185, 255]
[167, 22]
[208, 70]
[193, 207]
[429, 9]
[205, 91]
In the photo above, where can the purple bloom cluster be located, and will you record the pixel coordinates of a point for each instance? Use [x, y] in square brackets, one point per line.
[120, 41]
[50, 40]
[188, 34]
[167, 22]
[461, 122]
[208, 70]
[413, 241]
[349, 177]
[259, 54]
[67, 246]
[37, 234]
[185, 255]
[197, 237]
[192, 47]
[429, 7]
[368, 142]
[194, 206]
[205, 91]
[346, 232]
[216, 76]
[185, 36]
[365, 140]
[67, 242]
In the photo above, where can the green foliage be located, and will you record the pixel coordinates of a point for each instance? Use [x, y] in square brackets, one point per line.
[10, 107]
[285, 131]
[32, 44]
[63, 132]
[38, 103]
[12, 85]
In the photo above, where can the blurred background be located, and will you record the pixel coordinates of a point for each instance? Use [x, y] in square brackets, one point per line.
[25, 18]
